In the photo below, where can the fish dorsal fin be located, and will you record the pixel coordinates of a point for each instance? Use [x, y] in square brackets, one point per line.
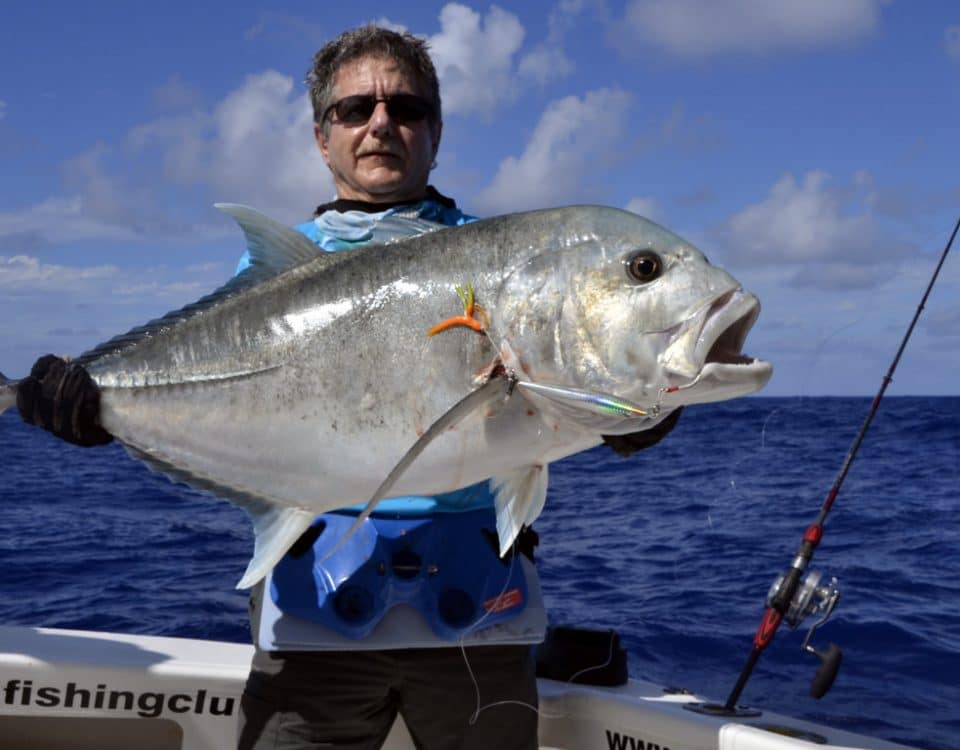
[273, 247]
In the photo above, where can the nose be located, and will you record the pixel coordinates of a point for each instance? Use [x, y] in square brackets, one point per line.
[380, 121]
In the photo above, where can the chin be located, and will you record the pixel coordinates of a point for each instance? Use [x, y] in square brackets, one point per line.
[384, 191]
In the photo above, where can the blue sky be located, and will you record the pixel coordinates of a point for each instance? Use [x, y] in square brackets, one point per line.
[808, 147]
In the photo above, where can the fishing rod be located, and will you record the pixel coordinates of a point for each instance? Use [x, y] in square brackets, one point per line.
[790, 598]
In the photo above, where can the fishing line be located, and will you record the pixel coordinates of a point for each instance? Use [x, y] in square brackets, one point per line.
[609, 660]
[481, 707]
[474, 717]
[536, 709]
[819, 354]
[782, 602]
[795, 406]
[463, 651]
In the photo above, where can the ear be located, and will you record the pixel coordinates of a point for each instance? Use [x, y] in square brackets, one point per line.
[322, 142]
[437, 131]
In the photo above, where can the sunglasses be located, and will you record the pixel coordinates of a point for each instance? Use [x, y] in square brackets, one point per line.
[357, 109]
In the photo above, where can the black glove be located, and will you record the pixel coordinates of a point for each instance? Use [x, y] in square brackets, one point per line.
[627, 445]
[62, 398]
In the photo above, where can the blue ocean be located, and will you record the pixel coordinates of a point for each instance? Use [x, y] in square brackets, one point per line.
[674, 547]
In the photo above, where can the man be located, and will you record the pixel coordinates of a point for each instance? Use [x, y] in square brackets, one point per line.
[330, 673]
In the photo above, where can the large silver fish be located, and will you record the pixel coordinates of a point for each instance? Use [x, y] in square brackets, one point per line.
[300, 385]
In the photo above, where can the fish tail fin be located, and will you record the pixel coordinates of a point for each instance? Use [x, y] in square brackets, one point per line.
[519, 499]
[8, 393]
[275, 528]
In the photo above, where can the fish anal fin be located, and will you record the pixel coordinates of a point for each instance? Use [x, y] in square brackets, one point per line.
[275, 528]
[519, 499]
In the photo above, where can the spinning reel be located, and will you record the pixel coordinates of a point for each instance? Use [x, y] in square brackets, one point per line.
[809, 599]
[812, 599]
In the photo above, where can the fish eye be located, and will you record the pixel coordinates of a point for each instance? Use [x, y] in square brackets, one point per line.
[643, 266]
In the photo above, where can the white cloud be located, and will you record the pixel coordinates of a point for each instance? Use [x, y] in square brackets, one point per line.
[951, 44]
[646, 207]
[176, 95]
[56, 220]
[694, 29]
[284, 28]
[265, 148]
[474, 58]
[23, 273]
[255, 146]
[796, 222]
[573, 139]
[475, 55]
[114, 194]
[386, 23]
[823, 233]
[100, 285]
[548, 61]
[180, 292]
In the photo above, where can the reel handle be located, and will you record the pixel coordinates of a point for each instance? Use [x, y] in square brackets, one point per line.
[827, 671]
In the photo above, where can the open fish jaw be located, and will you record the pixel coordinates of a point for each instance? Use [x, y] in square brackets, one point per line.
[706, 361]
[727, 326]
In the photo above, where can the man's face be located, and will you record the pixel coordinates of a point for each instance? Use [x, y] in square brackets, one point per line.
[380, 160]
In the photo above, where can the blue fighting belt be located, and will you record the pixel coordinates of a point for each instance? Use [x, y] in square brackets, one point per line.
[444, 565]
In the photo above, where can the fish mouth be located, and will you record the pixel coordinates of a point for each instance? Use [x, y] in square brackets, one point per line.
[705, 362]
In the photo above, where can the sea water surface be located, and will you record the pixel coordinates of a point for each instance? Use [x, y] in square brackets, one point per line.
[674, 547]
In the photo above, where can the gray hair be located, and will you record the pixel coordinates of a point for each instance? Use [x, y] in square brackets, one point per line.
[408, 51]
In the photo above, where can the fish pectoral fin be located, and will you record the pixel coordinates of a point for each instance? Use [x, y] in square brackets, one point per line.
[275, 528]
[495, 388]
[519, 498]
[468, 320]
[591, 410]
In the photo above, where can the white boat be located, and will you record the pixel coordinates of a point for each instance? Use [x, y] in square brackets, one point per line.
[87, 690]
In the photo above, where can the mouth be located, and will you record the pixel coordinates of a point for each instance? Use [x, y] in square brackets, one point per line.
[381, 154]
[706, 358]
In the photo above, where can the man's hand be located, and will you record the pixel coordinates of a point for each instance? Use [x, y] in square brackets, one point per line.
[627, 445]
[62, 398]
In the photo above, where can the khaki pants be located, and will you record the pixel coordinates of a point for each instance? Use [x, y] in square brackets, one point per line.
[350, 699]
